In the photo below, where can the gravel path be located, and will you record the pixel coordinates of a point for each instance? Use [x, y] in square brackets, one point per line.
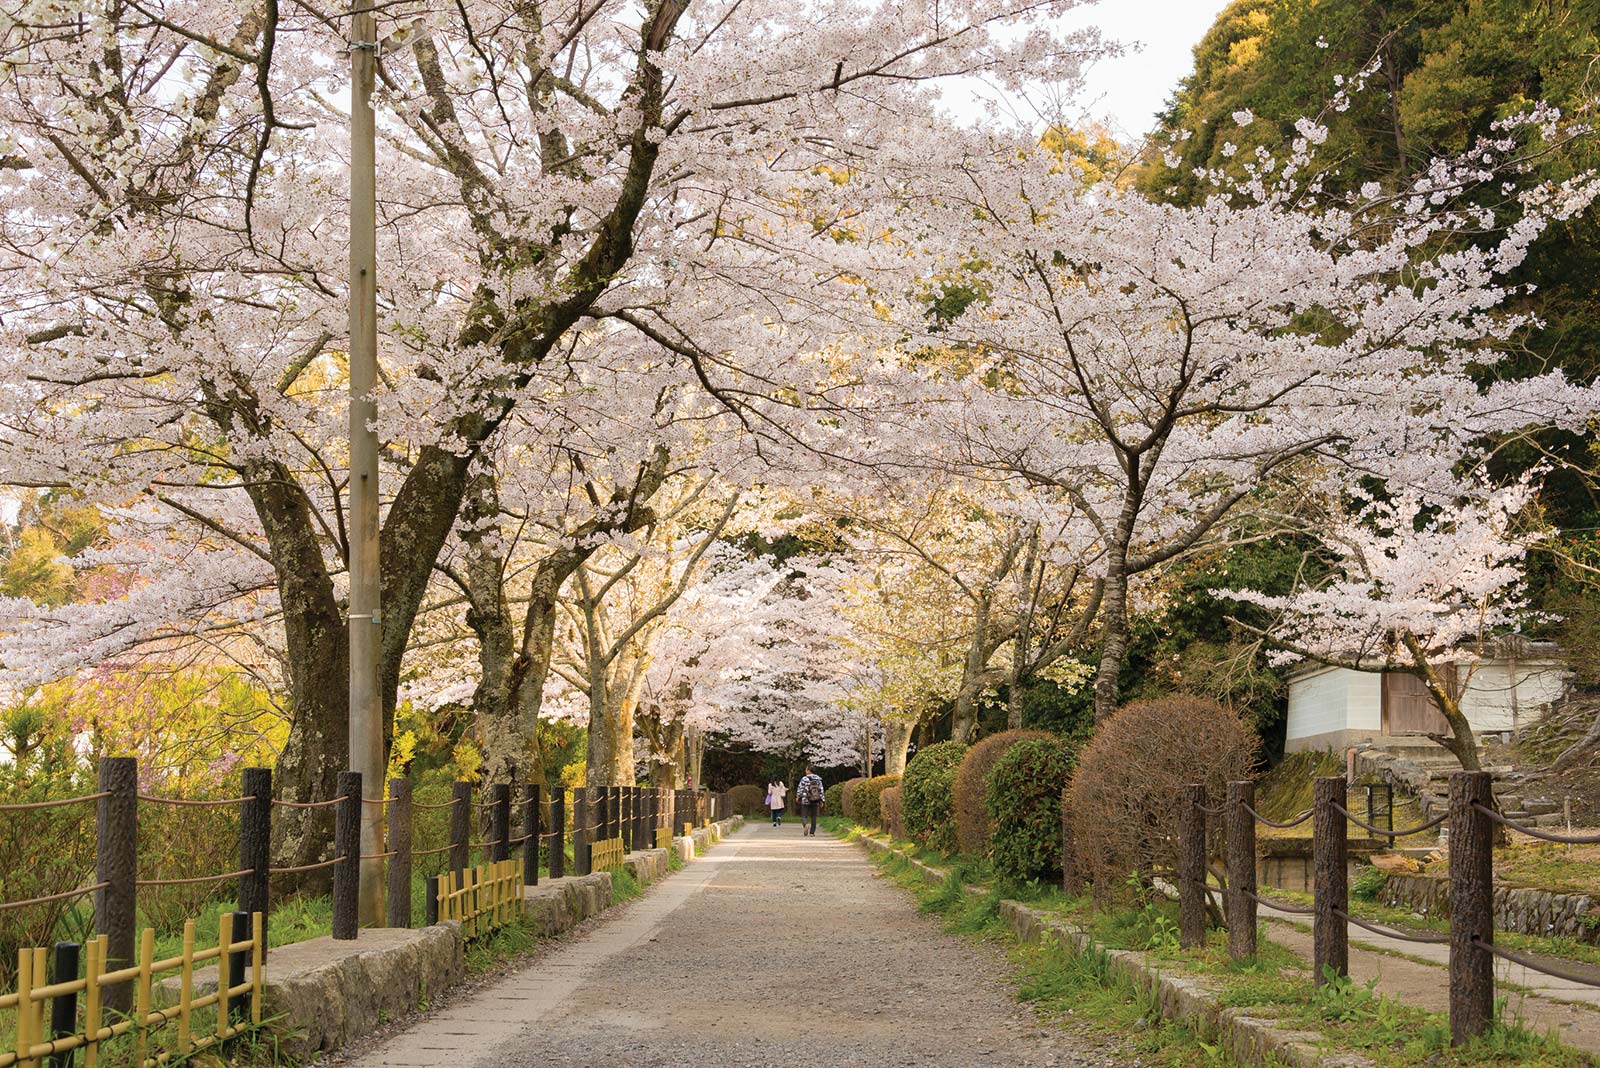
[774, 951]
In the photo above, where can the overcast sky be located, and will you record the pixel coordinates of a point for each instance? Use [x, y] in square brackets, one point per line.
[1130, 90]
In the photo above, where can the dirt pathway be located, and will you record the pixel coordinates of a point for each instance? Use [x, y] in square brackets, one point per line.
[775, 951]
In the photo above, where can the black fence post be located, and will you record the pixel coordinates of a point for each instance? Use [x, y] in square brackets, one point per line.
[1331, 902]
[63, 1007]
[460, 826]
[1471, 906]
[255, 842]
[530, 831]
[1192, 866]
[1241, 871]
[1070, 883]
[397, 891]
[347, 847]
[430, 906]
[582, 823]
[500, 821]
[117, 865]
[556, 857]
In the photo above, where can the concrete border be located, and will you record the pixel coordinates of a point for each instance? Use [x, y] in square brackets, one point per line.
[1190, 1001]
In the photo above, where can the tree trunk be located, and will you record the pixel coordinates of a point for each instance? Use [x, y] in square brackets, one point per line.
[1113, 643]
[1020, 642]
[896, 740]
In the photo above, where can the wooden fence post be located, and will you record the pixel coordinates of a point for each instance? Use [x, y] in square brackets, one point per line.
[625, 817]
[530, 830]
[1192, 866]
[255, 841]
[347, 847]
[1471, 906]
[1330, 853]
[117, 865]
[556, 855]
[430, 905]
[500, 821]
[1069, 857]
[397, 840]
[63, 1007]
[460, 826]
[582, 827]
[1241, 871]
[242, 929]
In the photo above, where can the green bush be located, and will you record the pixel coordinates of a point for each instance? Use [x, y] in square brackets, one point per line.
[847, 798]
[833, 800]
[927, 803]
[748, 800]
[1024, 802]
[869, 812]
[969, 796]
[1369, 883]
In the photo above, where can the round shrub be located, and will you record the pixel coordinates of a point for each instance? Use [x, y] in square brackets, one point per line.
[890, 812]
[926, 801]
[869, 812]
[833, 799]
[847, 798]
[1025, 807]
[1123, 799]
[747, 800]
[971, 792]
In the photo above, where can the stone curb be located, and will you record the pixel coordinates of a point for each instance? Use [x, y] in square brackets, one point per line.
[322, 995]
[1192, 1002]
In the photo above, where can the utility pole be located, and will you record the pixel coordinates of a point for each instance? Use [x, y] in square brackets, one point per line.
[366, 706]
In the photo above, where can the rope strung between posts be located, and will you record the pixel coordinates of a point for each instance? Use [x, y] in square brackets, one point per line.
[443, 804]
[1426, 940]
[195, 804]
[53, 897]
[380, 856]
[34, 805]
[1532, 966]
[1535, 832]
[1278, 905]
[306, 867]
[1297, 821]
[1209, 811]
[377, 800]
[1418, 829]
[431, 852]
[519, 841]
[196, 879]
[308, 804]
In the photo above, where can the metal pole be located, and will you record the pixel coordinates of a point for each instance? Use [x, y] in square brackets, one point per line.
[366, 702]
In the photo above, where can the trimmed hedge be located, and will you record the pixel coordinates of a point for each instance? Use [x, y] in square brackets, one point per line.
[926, 803]
[1024, 802]
[847, 798]
[748, 800]
[970, 794]
[869, 811]
[833, 800]
[889, 809]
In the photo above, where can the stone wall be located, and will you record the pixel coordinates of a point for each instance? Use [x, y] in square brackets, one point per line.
[1516, 909]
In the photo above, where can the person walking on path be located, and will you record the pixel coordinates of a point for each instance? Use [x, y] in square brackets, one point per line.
[809, 792]
[777, 796]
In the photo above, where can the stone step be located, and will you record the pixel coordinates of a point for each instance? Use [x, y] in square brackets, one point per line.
[1541, 806]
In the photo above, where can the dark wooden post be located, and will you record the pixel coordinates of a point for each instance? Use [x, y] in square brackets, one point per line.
[500, 821]
[430, 906]
[1329, 847]
[624, 817]
[605, 814]
[1192, 866]
[1241, 871]
[63, 1007]
[1471, 906]
[117, 865]
[582, 827]
[255, 841]
[237, 960]
[556, 857]
[460, 826]
[530, 830]
[347, 847]
[398, 841]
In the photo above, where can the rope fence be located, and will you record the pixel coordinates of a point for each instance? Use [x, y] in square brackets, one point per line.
[34, 806]
[1473, 826]
[47, 898]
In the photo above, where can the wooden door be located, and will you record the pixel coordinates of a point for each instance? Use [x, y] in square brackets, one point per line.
[1408, 708]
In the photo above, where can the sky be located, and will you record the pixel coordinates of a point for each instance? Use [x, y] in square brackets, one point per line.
[1130, 90]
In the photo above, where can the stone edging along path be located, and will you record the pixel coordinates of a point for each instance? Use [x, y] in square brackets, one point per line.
[321, 995]
[1190, 1001]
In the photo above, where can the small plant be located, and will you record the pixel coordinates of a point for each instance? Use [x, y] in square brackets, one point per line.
[1369, 883]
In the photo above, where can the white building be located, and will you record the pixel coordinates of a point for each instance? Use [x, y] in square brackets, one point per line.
[1335, 707]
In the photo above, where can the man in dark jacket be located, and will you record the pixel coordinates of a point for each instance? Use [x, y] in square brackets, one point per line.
[810, 794]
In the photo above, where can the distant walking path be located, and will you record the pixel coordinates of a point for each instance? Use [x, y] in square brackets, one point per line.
[773, 949]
